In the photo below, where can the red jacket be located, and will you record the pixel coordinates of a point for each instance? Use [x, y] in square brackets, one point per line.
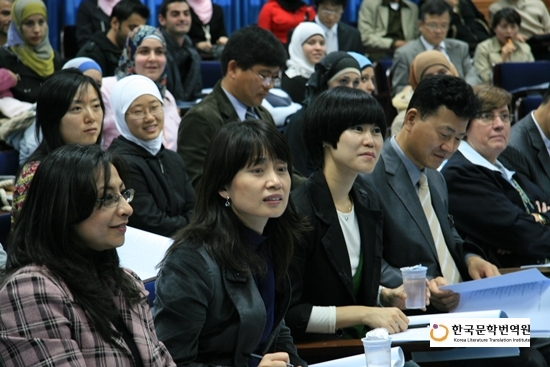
[279, 21]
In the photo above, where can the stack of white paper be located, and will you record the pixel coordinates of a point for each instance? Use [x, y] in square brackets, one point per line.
[142, 252]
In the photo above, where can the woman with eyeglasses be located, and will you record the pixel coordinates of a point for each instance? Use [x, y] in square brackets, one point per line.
[144, 54]
[64, 299]
[69, 110]
[492, 206]
[164, 197]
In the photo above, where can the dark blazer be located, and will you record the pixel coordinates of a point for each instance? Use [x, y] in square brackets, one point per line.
[29, 85]
[164, 197]
[199, 126]
[527, 154]
[320, 271]
[489, 211]
[407, 237]
[349, 38]
[210, 316]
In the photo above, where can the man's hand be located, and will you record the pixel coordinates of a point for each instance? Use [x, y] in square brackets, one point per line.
[444, 300]
[395, 297]
[479, 268]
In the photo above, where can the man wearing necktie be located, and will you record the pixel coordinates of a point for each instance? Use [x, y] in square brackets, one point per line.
[250, 63]
[433, 25]
[413, 194]
[339, 35]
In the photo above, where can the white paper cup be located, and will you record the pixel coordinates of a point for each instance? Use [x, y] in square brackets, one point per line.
[377, 352]
[414, 281]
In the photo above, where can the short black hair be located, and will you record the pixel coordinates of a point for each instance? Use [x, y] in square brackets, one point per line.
[341, 3]
[251, 46]
[164, 6]
[334, 111]
[445, 90]
[125, 8]
[508, 14]
[433, 7]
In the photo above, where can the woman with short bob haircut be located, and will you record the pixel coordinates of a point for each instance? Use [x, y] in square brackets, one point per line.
[69, 110]
[335, 271]
[335, 69]
[64, 299]
[223, 287]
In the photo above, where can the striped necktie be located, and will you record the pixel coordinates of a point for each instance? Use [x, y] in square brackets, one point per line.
[446, 262]
[249, 113]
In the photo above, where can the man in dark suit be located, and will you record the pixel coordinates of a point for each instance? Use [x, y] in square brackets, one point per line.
[250, 63]
[529, 146]
[435, 123]
[433, 25]
[339, 36]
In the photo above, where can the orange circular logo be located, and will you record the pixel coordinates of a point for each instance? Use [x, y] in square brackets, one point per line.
[434, 328]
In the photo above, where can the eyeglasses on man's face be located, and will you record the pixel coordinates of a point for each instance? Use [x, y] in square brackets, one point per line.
[333, 13]
[266, 80]
[435, 27]
[111, 200]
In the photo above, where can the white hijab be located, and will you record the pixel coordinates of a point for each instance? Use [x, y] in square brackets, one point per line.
[124, 93]
[298, 64]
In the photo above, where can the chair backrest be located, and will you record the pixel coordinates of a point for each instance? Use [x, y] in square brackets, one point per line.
[150, 286]
[69, 46]
[211, 72]
[517, 77]
[528, 104]
[9, 162]
[5, 226]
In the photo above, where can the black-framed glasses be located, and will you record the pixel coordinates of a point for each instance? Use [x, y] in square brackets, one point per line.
[266, 80]
[111, 200]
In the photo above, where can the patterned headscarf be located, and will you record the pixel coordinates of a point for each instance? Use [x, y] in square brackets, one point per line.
[127, 63]
[37, 58]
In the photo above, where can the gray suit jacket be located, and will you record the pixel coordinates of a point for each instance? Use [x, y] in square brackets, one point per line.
[527, 154]
[458, 52]
[407, 238]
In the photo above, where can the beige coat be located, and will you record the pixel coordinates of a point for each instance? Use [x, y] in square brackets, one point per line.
[373, 22]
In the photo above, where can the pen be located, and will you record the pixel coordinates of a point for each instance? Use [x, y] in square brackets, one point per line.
[253, 355]
[418, 326]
